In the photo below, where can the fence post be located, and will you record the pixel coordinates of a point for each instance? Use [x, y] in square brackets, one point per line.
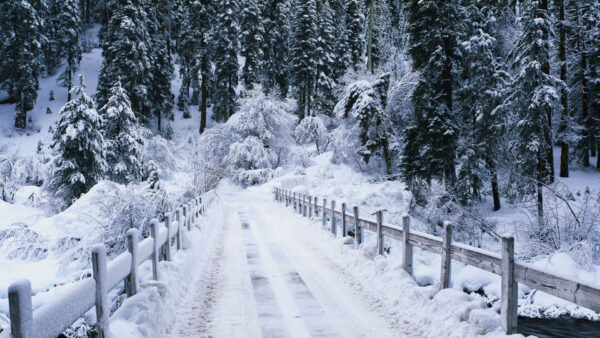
[184, 217]
[300, 204]
[509, 293]
[407, 257]
[99, 273]
[333, 228]
[343, 219]
[20, 309]
[310, 207]
[178, 216]
[286, 198]
[154, 229]
[379, 215]
[131, 282]
[357, 229]
[316, 207]
[304, 206]
[445, 277]
[324, 212]
[167, 246]
[294, 201]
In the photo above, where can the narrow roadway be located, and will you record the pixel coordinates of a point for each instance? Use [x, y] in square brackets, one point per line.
[256, 279]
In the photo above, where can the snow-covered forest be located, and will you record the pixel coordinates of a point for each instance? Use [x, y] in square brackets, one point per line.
[485, 113]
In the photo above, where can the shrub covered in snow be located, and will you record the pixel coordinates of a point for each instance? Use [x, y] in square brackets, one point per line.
[312, 130]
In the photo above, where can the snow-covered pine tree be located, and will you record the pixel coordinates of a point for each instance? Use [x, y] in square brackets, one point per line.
[431, 136]
[21, 39]
[80, 163]
[225, 60]
[364, 128]
[122, 136]
[483, 82]
[354, 26]
[251, 39]
[127, 57]
[161, 66]
[326, 61]
[531, 98]
[303, 62]
[69, 29]
[52, 9]
[276, 18]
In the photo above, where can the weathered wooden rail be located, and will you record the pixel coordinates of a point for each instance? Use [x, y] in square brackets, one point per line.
[504, 265]
[53, 318]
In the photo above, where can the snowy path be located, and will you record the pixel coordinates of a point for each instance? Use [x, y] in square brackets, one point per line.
[257, 280]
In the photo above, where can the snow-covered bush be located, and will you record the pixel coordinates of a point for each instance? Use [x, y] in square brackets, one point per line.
[158, 149]
[249, 146]
[249, 161]
[312, 130]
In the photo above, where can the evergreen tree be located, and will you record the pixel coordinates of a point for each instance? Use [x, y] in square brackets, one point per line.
[432, 136]
[251, 39]
[225, 59]
[354, 26]
[326, 62]
[161, 69]
[303, 63]
[483, 82]
[80, 145]
[276, 46]
[20, 51]
[69, 29]
[531, 98]
[362, 116]
[123, 140]
[127, 57]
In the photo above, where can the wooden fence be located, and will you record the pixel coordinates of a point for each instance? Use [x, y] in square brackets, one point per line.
[504, 265]
[62, 311]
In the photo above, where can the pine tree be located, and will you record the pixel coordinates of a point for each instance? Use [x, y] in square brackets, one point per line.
[20, 51]
[276, 46]
[531, 98]
[161, 69]
[69, 29]
[303, 62]
[225, 59]
[80, 145]
[483, 82]
[251, 39]
[361, 112]
[127, 57]
[123, 140]
[354, 26]
[326, 61]
[432, 134]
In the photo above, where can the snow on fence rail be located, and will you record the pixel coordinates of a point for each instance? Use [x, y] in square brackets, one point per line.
[504, 265]
[57, 315]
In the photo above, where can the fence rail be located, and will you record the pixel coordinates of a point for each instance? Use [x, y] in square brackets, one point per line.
[52, 318]
[503, 264]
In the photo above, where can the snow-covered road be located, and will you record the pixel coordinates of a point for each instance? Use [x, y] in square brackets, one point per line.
[258, 279]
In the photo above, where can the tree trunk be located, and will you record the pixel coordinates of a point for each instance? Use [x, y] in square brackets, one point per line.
[69, 82]
[549, 155]
[539, 187]
[494, 183]
[586, 133]
[204, 98]
[159, 120]
[564, 99]
[370, 42]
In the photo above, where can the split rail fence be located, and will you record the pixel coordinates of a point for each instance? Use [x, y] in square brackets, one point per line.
[53, 318]
[511, 272]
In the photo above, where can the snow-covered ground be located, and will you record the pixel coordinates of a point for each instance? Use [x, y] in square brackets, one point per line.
[273, 273]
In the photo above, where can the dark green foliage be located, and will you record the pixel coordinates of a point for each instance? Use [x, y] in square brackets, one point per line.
[78, 140]
[20, 50]
[252, 33]
[225, 60]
